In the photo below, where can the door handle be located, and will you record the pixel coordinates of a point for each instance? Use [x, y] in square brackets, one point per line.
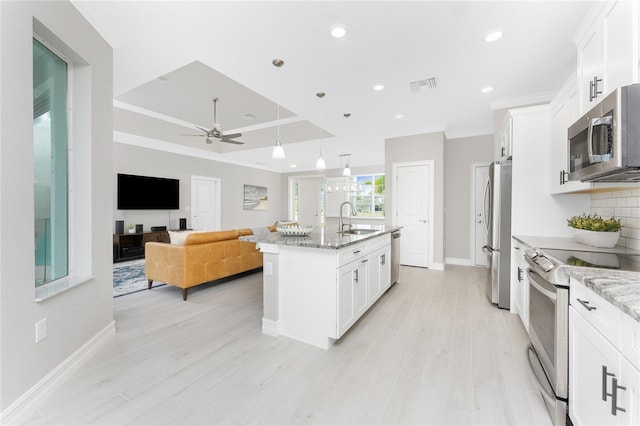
[605, 375]
[585, 303]
[479, 221]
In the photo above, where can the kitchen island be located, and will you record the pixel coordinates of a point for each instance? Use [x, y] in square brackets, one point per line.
[315, 287]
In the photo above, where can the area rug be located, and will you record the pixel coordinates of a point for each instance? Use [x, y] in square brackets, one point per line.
[129, 277]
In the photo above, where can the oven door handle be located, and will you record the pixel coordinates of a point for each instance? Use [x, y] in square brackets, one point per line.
[550, 294]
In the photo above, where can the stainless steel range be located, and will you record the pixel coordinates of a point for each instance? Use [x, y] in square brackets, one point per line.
[548, 351]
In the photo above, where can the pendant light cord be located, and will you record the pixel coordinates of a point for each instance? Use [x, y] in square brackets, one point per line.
[278, 99]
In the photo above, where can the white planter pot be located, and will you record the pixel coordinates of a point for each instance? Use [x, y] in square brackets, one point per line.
[596, 239]
[132, 230]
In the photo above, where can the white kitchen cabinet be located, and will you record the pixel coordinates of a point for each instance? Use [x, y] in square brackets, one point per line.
[364, 273]
[506, 138]
[607, 51]
[352, 293]
[379, 273]
[519, 283]
[604, 385]
[565, 112]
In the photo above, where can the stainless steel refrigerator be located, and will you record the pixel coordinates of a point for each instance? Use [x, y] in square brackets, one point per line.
[497, 219]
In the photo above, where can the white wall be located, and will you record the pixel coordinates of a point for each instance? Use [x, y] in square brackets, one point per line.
[420, 148]
[459, 155]
[77, 315]
[148, 162]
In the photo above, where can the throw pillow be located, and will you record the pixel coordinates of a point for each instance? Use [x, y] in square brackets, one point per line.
[178, 237]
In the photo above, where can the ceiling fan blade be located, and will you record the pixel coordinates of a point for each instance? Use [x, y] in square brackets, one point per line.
[230, 141]
[200, 135]
[232, 136]
[204, 130]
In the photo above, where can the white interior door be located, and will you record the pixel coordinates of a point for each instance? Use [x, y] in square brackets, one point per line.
[412, 191]
[308, 200]
[205, 203]
[481, 176]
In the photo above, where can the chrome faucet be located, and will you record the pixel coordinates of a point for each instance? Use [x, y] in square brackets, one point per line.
[341, 220]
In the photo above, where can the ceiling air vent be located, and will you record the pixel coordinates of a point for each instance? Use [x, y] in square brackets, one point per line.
[427, 83]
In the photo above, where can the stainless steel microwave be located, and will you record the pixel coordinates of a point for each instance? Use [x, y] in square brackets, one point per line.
[604, 144]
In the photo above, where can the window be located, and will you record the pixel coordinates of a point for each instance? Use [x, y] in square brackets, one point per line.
[367, 195]
[51, 165]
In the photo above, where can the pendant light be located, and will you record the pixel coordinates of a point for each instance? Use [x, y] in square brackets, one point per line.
[347, 170]
[320, 163]
[278, 150]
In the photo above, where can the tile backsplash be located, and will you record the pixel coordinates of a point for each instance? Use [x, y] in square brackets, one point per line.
[623, 205]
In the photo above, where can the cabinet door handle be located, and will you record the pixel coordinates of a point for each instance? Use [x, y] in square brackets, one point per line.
[364, 260]
[356, 252]
[591, 95]
[355, 275]
[519, 274]
[564, 177]
[614, 396]
[383, 259]
[605, 375]
[596, 92]
[585, 303]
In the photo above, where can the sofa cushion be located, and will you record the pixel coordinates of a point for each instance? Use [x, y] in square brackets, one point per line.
[178, 237]
[211, 237]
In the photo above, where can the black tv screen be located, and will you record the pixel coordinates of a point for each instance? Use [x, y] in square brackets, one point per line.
[147, 193]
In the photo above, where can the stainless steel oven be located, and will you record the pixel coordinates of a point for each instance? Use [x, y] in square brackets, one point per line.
[548, 352]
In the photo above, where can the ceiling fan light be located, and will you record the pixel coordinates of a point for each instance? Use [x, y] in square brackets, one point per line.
[278, 152]
[320, 163]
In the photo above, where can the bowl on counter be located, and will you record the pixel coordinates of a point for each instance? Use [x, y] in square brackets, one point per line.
[293, 230]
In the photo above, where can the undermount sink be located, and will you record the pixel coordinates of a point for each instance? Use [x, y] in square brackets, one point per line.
[357, 231]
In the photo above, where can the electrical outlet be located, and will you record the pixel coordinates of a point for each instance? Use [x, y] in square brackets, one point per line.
[41, 330]
[268, 268]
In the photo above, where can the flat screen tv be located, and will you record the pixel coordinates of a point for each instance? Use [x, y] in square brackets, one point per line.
[147, 193]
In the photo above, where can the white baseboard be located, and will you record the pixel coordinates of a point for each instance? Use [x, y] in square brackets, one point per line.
[270, 327]
[64, 369]
[457, 261]
[437, 266]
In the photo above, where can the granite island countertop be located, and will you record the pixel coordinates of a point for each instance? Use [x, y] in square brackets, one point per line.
[321, 237]
[620, 288]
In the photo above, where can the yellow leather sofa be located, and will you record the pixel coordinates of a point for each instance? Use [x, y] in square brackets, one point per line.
[204, 257]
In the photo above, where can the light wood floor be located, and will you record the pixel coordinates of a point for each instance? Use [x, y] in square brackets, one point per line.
[432, 350]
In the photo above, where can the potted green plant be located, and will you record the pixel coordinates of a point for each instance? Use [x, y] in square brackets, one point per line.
[131, 228]
[595, 231]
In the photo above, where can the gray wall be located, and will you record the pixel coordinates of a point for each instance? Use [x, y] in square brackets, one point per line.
[82, 312]
[148, 162]
[459, 155]
[420, 148]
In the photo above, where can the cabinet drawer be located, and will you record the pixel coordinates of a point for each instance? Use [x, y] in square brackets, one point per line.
[351, 253]
[631, 342]
[598, 312]
[379, 242]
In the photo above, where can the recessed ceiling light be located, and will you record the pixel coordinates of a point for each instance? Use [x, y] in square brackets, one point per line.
[293, 166]
[338, 31]
[493, 36]
[347, 114]
[378, 87]
[399, 116]
[487, 89]
[320, 94]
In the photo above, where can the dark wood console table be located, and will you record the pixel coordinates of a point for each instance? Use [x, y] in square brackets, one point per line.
[131, 246]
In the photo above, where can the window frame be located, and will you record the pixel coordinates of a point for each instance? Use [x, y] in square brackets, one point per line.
[76, 273]
[354, 193]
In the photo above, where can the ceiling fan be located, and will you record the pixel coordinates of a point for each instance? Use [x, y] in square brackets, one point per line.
[217, 133]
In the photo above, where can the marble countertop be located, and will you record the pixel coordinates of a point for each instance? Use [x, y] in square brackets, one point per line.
[321, 237]
[621, 288]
